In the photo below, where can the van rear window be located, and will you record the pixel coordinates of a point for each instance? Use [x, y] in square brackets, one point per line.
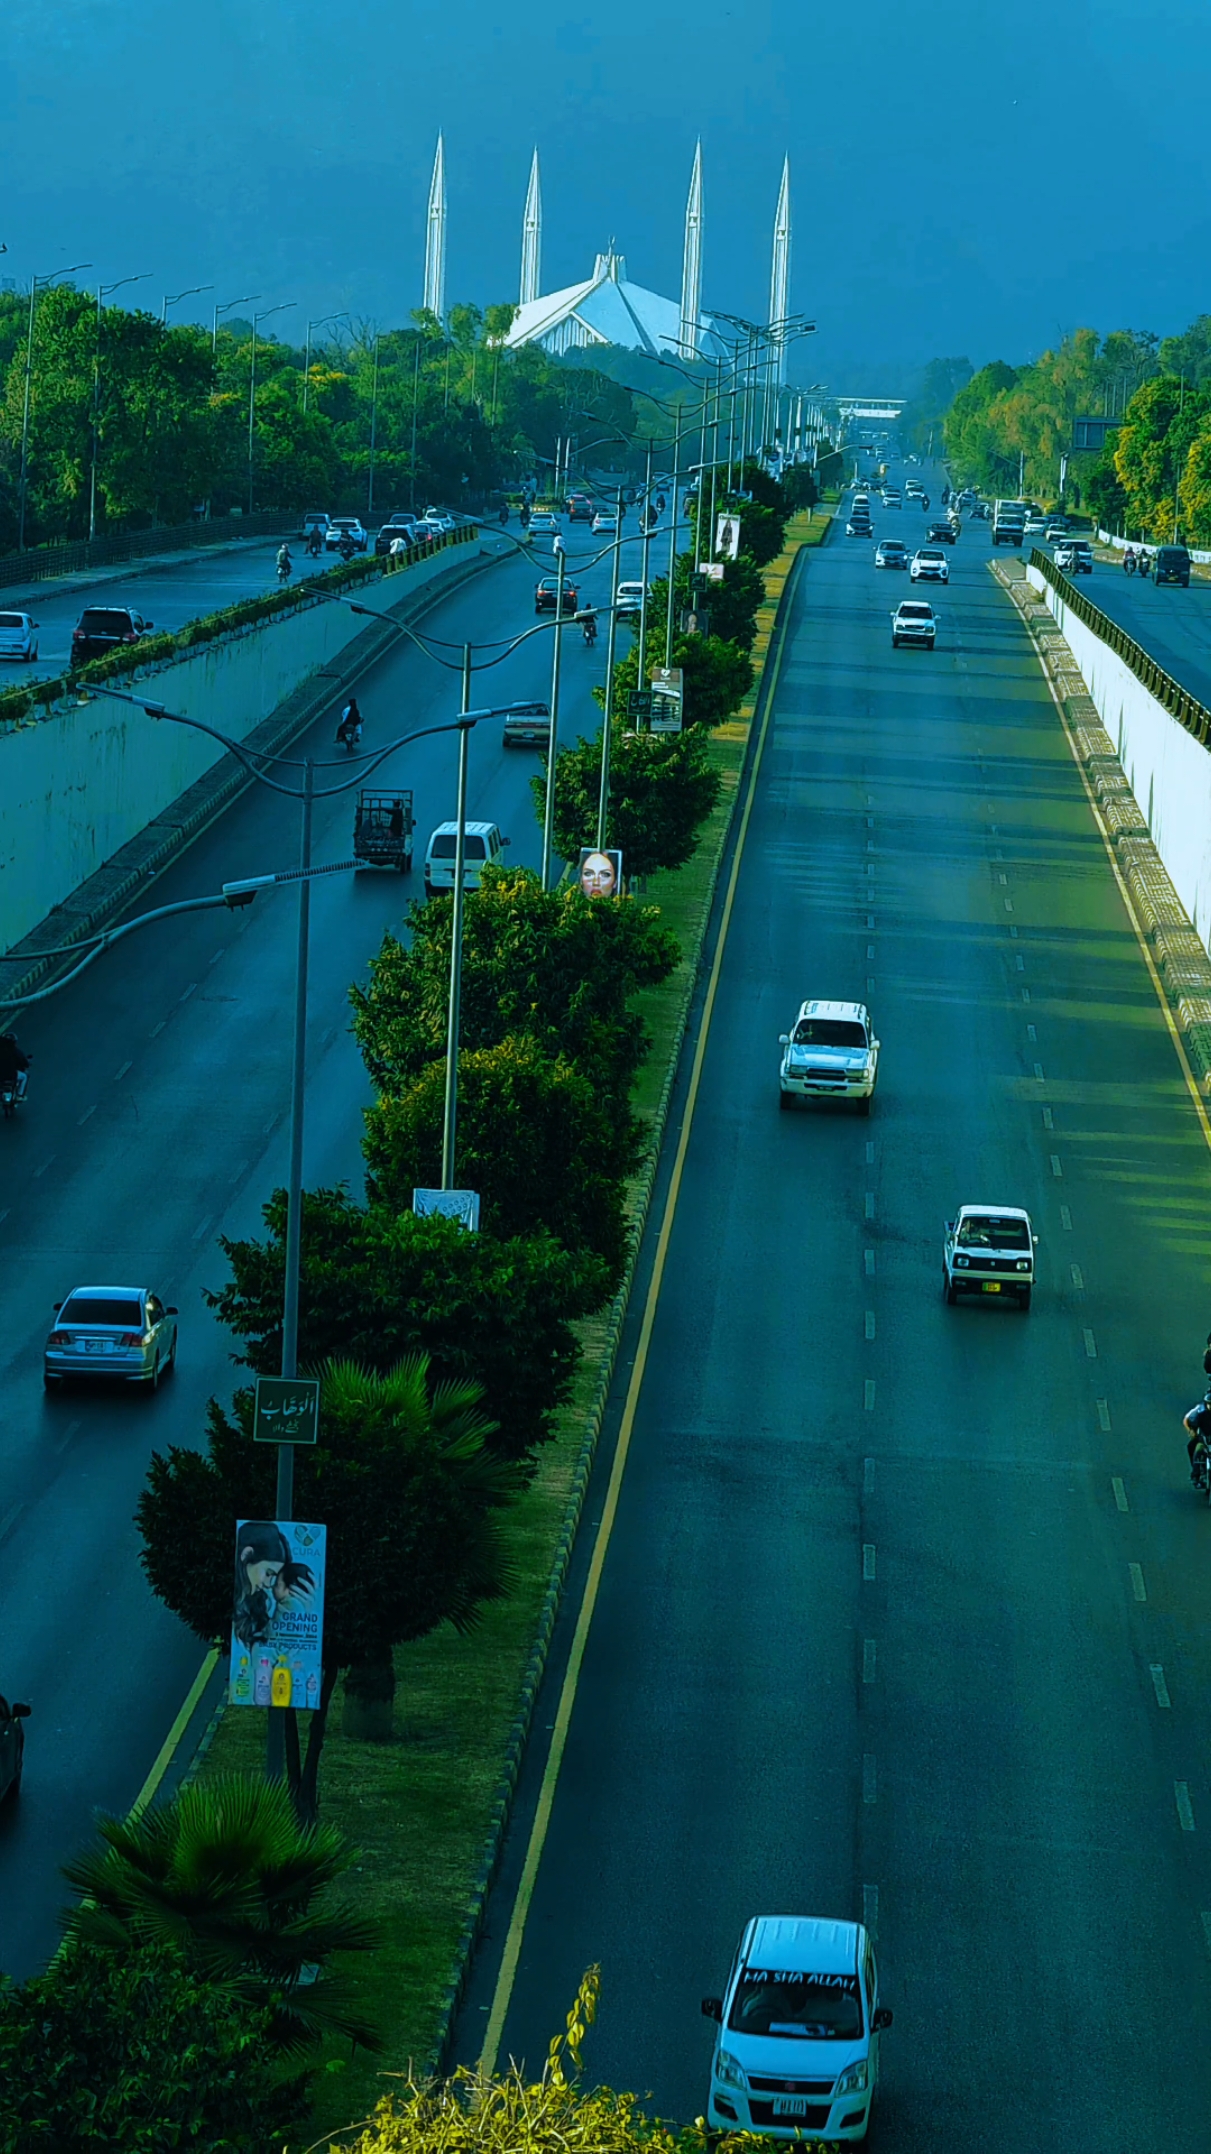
[445, 847]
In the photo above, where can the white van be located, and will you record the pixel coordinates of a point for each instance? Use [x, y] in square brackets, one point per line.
[482, 846]
[797, 2051]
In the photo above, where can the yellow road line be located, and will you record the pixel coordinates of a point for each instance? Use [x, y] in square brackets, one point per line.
[175, 1733]
[567, 1697]
[1179, 1045]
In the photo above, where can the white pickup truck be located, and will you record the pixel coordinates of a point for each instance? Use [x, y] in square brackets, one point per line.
[832, 1053]
[989, 1249]
[914, 621]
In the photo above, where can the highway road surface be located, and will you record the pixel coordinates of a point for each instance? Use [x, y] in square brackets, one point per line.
[1173, 625]
[156, 1120]
[905, 1612]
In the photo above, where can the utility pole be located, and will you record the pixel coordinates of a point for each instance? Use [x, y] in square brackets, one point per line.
[454, 1011]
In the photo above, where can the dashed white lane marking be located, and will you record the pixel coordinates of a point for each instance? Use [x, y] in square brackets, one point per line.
[1103, 1415]
[1138, 1588]
[87, 1114]
[868, 1395]
[40, 1171]
[190, 990]
[217, 955]
[1013, 934]
[1065, 1219]
[67, 1435]
[868, 1262]
[1009, 904]
[241, 1169]
[1160, 1686]
[122, 1072]
[870, 950]
[868, 1477]
[869, 1323]
[1056, 1168]
[1031, 1032]
[1185, 1809]
[1048, 1118]
[868, 1559]
[870, 1784]
[870, 1152]
[1090, 1344]
[870, 1913]
[868, 1660]
[1078, 1277]
[202, 1231]
[1025, 993]
[1038, 1071]
[870, 845]
[870, 919]
[270, 1124]
[870, 1204]
[1120, 1493]
[1002, 879]
[157, 1029]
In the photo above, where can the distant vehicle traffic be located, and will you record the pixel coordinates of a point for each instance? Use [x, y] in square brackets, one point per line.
[546, 595]
[580, 509]
[528, 725]
[348, 530]
[889, 553]
[122, 1334]
[545, 524]
[102, 628]
[628, 600]
[605, 520]
[383, 830]
[914, 621]
[830, 1053]
[942, 533]
[399, 526]
[1169, 564]
[930, 565]
[1008, 523]
[19, 637]
[315, 520]
[483, 847]
[989, 1249]
[1075, 556]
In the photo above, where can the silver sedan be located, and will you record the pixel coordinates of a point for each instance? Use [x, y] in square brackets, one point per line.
[124, 1334]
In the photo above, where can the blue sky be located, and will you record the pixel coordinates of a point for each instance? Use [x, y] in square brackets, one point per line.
[957, 169]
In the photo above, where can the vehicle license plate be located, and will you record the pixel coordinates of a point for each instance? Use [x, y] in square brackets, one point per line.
[93, 1346]
[992, 1286]
[789, 2108]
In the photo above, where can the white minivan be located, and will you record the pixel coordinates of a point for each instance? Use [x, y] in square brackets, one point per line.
[797, 2052]
[483, 847]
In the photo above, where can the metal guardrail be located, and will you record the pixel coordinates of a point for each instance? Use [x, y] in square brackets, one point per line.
[38, 563]
[1188, 711]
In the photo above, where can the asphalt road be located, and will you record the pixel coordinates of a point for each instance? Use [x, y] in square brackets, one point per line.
[1173, 625]
[905, 1611]
[156, 1120]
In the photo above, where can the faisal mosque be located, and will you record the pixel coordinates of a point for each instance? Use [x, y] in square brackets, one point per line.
[607, 308]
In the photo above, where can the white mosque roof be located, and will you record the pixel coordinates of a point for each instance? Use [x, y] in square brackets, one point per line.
[607, 309]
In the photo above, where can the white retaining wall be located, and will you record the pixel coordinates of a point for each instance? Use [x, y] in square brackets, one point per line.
[1169, 772]
[79, 784]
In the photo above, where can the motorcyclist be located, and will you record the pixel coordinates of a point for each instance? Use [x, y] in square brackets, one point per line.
[346, 548]
[315, 544]
[1197, 1424]
[14, 1064]
[349, 731]
[588, 622]
[285, 564]
[1129, 561]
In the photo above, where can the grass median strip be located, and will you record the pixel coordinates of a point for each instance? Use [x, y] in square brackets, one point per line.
[426, 1809]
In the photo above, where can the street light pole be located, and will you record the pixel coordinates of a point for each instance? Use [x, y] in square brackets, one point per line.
[373, 428]
[103, 291]
[226, 308]
[29, 367]
[548, 813]
[263, 316]
[173, 299]
[643, 590]
[668, 618]
[454, 1010]
[603, 793]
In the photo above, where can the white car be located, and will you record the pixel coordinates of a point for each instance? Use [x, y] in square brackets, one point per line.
[628, 600]
[543, 522]
[346, 527]
[929, 565]
[605, 520]
[831, 1053]
[1034, 525]
[18, 637]
[439, 520]
[483, 847]
[124, 1334]
[797, 2052]
[1075, 555]
[914, 621]
[989, 1249]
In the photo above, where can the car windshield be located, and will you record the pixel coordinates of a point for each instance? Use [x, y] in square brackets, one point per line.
[980, 1230]
[95, 617]
[829, 1032]
[12, 620]
[909, 612]
[87, 1309]
[818, 2007]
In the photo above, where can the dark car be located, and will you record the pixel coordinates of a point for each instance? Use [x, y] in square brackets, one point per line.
[859, 527]
[890, 554]
[1170, 564]
[941, 534]
[12, 1746]
[401, 525]
[102, 629]
[546, 592]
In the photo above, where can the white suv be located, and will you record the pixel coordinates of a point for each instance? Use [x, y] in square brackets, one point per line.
[989, 1249]
[483, 847]
[832, 1053]
[930, 565]
[797, 2052]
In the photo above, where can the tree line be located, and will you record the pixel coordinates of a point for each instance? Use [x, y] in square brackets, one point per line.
[361, 423]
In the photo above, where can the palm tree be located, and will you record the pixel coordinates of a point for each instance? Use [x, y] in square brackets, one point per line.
[438, 1441]
[227, 1875]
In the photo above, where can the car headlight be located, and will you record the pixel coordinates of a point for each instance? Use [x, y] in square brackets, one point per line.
[1023, 1263]
[727, 2069]
[961, 1263]
[852, 2082]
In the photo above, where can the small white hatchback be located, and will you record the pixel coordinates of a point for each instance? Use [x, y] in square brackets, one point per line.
[797, 2052]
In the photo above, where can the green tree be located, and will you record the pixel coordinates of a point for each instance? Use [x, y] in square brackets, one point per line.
[545, 963]
[380, 1286]
[410, 1491]
[663, 787]
[225, 1876]
[534, 1139]
[1105, 494]
[1162, 422]
[132, 2054]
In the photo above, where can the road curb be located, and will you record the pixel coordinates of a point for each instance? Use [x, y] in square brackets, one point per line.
[137, 863]
[536, 1668]
[1182, 964]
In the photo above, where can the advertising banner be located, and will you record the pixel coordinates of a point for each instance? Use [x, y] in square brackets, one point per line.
[727, 537]
[600, 873]
[668, 699]
[459, 1204]
[277, 1624]
[287, 1410]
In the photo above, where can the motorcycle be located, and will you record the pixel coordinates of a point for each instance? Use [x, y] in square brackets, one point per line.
[349, 737]
[1129, 563]
[315, 546]
[590, 634]
[12, 1092]
[285, 569]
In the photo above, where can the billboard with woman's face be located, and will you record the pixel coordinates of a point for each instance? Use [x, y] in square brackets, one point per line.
[277, 1619]
[600, 873]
